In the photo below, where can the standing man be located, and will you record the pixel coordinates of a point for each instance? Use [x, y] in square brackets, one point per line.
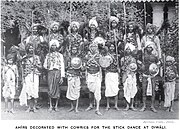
[94, 76]
[73, 38]
[31, 66]
[54, 63]
[112, 77]
[129, 66]
[34, 38]
[74, 72]
[153, 38]
[55, 34]
[150, 70]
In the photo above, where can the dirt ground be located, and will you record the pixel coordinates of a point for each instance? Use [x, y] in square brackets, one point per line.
[64, 105]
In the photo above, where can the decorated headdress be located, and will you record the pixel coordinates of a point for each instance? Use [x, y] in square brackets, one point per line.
[93, 21]
[99, 40]
[75, 23]
[170, 58]
[149, 25]
[129, 46]
[54, 41]
[113, 18]
[10, 56]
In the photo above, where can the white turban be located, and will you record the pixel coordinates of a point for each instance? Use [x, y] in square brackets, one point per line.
[170, 58]
[99, 40]
[93, 21]
[75, 23]
[54, 23]
[54, 41]
[130, 46]
[113, 18]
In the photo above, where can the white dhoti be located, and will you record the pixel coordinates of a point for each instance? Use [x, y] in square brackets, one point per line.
[94, 84]
[73, 91]
[111, 83]
[30, 88]
[130, 87]
[169, 91]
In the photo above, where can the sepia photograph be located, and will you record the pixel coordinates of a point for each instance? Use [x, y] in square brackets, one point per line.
[90, 60]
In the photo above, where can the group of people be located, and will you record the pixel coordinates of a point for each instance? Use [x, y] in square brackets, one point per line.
[115, 56]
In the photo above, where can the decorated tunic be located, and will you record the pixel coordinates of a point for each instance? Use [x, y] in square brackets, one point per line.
[35, 40]
[155, 40]
[55, 61]
[93, 63]
[170, 73]
[114, 36]
[74, 40]
[10, 75]
[70, 70]
[58, 37]
[148, 60]
[170, 84]
[28, 62]
[134, 39]
[114, 65]
[126, 61]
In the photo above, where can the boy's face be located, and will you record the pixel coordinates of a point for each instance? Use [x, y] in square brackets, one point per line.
[149, 49]
[31, 49]
[53, 47]
[93, 27]
[55, 28]
[114, 24]
[35, 30]
[112, 48]
[74, 50]
[128, 50]
[150, 30]
[130, 28]
[10, 61]
[74, 28]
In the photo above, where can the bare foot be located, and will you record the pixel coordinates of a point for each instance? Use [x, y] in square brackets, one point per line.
[76, 110]
[50, 109]
[98, 112]
[126, 109]
[153, 109]
[133, 109]
[11, 111]
[167, 110]
[89, 108]
[116, 108]
[56, 109]
[142, 109]
[171, 110]
[71, 109]
[107, 108]
[28, 110]
[34, 110]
